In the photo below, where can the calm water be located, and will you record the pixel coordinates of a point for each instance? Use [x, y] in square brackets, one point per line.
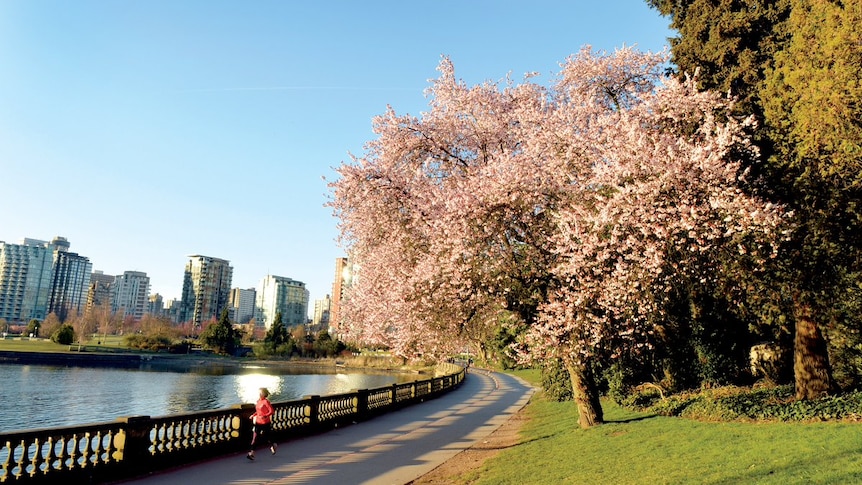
[38, 396]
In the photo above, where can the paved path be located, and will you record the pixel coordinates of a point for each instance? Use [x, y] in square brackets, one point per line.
[392, 449]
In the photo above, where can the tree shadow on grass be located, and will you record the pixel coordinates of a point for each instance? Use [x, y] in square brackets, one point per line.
[632, 420]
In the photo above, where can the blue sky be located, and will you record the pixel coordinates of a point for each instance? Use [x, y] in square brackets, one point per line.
[145, 132]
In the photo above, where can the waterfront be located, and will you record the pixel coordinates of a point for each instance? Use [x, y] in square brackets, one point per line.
[40, 396]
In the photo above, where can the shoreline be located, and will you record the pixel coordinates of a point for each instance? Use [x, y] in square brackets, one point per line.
[183, 362]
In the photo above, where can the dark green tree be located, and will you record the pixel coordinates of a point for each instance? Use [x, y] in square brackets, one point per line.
[221, 337]
[64, 335]
[812, 100]
[728, 42]
[326, 346]
[33, 327]
[277, 333]
[794, 65]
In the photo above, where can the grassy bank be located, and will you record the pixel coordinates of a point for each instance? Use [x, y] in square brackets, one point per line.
[643, 448]
[87, 353]
[111, 343]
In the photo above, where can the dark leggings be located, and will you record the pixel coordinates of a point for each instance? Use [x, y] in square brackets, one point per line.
[260, 430]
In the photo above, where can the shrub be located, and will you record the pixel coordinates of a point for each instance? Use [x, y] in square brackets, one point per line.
[556, 381]
[619, 379]
[64, 335]
[775, 403]
[147, 342]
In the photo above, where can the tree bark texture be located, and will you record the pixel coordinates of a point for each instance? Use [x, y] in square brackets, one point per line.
[586, 394]
[811, 370]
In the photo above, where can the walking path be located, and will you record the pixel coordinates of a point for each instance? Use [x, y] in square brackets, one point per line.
[392, 449]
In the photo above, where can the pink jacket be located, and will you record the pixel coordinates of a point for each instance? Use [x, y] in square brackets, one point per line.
[263, 411]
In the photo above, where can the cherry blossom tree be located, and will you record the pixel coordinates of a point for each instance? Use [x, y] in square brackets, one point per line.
[444, 219]
[571, 207]
[659, 200]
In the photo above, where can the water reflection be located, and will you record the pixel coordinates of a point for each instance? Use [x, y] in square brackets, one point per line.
[35, 396]
[248, 386]
[189, 391]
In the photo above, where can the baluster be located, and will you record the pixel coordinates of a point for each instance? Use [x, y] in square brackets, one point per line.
[223, 423]
[84, 447]
[167, 442]
[172, 438]
[176, 435]
[203, 432]
[159, 447]
[179, 435]
[166, 438]
[197, 434]
[224, 426]
[188, 431]
[75, 441]
[99, 456]
[4, 467]
[61, 456]
[23, 460]
[36, 458]
[203, 425]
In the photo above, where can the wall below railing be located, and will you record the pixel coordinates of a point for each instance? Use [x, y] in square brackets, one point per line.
[135, 446]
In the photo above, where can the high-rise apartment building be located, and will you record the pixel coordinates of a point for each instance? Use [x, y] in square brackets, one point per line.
[242, 304]
[99, 293]
[279, 294]
[172, 309]
[343, 279]
[320, 319]
[156, 305]
[25, 280]
[130, 295]
[70, 280]
[206, 289]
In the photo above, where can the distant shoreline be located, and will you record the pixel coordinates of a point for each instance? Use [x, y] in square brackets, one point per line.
[134, 360]
[180, 362]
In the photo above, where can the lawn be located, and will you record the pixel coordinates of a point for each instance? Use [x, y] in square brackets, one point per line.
[639, 448]
[111, 343]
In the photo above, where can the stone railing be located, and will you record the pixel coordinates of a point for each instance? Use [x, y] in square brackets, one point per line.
[135, 446]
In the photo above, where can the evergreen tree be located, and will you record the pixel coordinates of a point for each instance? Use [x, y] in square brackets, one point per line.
[221, 337]
[795, 65]
[33, 327]
[277, 334]
[64, 335]
[729, 42]
[812, 102]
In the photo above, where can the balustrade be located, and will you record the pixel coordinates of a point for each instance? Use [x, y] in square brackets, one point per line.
[134, 446]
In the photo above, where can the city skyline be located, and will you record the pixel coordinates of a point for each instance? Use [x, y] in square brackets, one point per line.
[148, 132]
[96, 269]
[40, 277]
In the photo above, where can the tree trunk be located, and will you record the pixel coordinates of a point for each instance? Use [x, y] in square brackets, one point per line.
[811, 370]
[586, 394]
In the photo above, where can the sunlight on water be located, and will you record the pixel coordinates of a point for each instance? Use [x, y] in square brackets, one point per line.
[248, 386]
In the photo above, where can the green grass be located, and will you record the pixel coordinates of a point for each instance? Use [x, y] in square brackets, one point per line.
[35, 345]
[532, 376]
[99, 343]
[640, 448]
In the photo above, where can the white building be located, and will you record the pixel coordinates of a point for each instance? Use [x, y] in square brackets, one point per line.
[242, 302]
[320, 319]
[279, 294]
[25, 280]
[131, 294]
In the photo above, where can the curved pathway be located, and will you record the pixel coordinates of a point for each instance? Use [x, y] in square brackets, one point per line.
[392, 449]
